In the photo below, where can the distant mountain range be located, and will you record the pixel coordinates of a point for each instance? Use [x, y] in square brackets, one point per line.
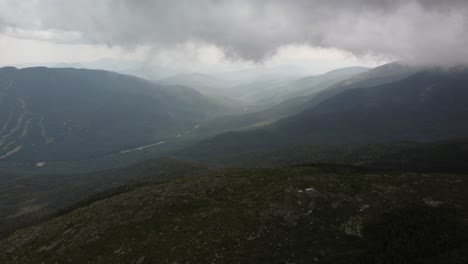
[426, 106]
[209, 86]
[325, 87]
[152, 71]
[338, 167]
[60, 114]
[307, 85]
[68, 114]
[202, 82]
[241, 92]
[266, 90]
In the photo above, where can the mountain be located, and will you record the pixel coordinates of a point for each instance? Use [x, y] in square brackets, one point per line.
[427, 106]
[143, 69]
[307, 214]
[68, 65]
[307, 85]
[216, 89]
[384, 74]
[61, 114]
[263, 74]
[250, 92]
[246, 87]
[146, 70]
[202, 82]
[263, 92]
[381, 75]
[167, 211]
[387, 73]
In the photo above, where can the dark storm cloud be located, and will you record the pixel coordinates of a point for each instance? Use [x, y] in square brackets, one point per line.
[426, 31]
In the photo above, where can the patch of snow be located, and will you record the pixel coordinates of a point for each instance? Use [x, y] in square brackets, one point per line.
[40, 164]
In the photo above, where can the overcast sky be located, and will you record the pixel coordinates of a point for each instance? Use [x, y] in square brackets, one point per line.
[214, 35]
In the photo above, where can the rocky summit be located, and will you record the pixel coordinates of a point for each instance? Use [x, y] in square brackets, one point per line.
[308, 214]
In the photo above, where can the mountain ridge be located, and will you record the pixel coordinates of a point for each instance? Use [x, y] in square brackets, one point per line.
[48, 111]
[424, 106]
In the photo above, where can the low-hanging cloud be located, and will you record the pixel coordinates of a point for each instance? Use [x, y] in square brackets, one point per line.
[424, 31]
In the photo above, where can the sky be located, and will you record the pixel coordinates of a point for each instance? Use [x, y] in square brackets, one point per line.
[221, 35]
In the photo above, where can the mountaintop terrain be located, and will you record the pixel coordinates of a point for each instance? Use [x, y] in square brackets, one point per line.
[296, 214]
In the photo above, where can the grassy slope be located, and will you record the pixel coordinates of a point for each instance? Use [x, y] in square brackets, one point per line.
[255, 216]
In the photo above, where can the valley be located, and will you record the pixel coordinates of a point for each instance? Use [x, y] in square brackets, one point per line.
[41, 121]
[307, 178]
[233, 131]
